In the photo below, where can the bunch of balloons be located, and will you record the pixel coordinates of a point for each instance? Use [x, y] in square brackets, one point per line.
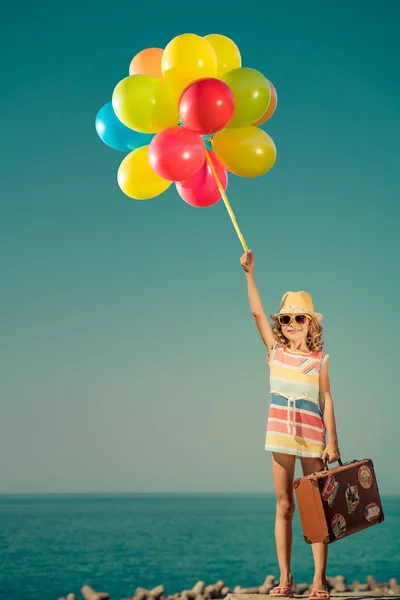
[189, 114]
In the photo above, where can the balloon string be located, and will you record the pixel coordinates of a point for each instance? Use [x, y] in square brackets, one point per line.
[226, 201]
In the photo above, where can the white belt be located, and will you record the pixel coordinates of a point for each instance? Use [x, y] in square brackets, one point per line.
[291, 423]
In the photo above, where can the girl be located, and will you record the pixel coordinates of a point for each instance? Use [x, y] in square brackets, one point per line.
[300, 413]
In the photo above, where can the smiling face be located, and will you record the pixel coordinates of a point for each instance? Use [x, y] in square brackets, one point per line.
[297, 330]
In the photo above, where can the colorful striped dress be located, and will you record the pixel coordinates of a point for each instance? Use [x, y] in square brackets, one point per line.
[295, 424]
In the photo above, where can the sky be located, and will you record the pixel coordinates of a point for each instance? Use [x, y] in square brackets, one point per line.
[129, 358]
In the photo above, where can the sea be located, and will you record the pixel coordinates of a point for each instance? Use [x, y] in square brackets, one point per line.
[53, 545]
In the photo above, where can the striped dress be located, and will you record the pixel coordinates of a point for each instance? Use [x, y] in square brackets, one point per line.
[295, 424]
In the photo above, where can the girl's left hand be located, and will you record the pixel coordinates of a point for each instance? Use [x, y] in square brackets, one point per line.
[331, 453]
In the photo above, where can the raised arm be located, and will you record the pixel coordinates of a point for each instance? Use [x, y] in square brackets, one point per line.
[256, 307]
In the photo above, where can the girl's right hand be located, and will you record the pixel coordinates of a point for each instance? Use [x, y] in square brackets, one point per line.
[247, 261]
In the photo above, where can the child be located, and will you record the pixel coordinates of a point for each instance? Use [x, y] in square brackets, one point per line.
[301, 411]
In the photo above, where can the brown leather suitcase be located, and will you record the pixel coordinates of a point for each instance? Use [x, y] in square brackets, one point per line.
[335, 503]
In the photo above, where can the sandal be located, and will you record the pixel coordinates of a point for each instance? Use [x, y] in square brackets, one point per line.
[284, 591]
[320, 594]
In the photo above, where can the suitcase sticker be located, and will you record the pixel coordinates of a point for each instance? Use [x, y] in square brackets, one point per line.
[339, 525]
[330, 490]
[372, 512]
[365, 477]
[352, 498]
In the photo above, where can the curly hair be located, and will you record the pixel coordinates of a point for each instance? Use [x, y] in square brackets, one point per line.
[314, 339]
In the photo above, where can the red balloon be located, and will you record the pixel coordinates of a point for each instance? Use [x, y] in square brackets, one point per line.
[206, 106]
[201, 190]
[177, 153]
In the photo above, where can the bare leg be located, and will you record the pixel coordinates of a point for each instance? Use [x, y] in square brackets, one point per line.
[320, 551]
[283, 472]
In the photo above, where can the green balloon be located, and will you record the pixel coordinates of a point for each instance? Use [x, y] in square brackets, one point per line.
[252, 95]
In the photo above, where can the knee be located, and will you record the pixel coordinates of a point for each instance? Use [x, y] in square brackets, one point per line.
[285, 507]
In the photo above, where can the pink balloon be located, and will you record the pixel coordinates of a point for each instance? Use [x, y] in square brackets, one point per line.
[201, 190]
[177, 153]
[207, 105]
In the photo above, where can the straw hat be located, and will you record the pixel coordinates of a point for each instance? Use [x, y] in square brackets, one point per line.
[296, 303]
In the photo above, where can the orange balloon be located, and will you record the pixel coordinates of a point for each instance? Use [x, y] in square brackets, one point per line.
[147, 62]
[269, 111]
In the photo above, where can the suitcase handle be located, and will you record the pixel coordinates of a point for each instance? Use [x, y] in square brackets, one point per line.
[339, 461]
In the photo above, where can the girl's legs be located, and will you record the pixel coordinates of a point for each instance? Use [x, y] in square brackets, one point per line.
[320, 551]
[283, 472]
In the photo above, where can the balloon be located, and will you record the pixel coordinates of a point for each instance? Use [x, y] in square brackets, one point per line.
[248, 151]
[201, 190]
[177, 153]
[137, 179]
[206, 139]
[206, 106]
[186, 58]
[270, 108]
[145, 103]
[147, 62]
[252, 93]
[227, 53]
[115, 134]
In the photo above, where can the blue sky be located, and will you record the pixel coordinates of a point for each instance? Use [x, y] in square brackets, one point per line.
[130, 361]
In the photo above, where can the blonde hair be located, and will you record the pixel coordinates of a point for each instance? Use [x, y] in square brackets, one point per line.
[314, 339]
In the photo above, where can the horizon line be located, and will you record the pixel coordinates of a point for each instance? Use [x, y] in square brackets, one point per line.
[155, 493]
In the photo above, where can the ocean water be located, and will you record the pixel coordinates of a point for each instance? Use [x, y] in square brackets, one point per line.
[52, 545]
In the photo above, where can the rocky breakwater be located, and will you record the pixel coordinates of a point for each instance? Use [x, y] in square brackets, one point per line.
[218, 591]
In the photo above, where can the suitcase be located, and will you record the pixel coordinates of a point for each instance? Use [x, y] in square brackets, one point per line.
[337, 502]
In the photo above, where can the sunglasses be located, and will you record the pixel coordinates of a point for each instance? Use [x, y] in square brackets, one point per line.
[300, 319]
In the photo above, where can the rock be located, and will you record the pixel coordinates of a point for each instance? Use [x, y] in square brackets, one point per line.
[378, 591]
[103, 595]
[198, 597]
[300, 588]
[156, 592]
[372, 583]
[141, 594]
[215, 590]
[339, 585]
[264, 589]
[225, 591]
[238, 589]
[251, 590]
[353, 587]
[393, 585]
[89, 594]
[71, 597]
[199, 587]
[212, 591]
[268, 584]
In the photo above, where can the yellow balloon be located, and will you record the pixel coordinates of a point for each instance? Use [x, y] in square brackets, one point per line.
[227, 53]
[137, 179]
[145, 103]
[248, 151]
[186, 58]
